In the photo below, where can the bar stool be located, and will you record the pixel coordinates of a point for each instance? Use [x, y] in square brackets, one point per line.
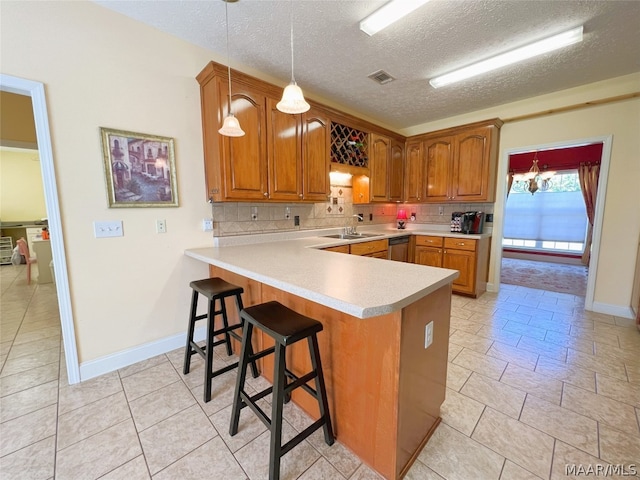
[286, 327]
[213, 289]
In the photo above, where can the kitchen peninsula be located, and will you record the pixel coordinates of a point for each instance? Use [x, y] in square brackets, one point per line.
[384, 387]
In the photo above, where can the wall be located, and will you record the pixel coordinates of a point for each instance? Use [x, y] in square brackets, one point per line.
[21, 191]
[17, 127]
[621, 225]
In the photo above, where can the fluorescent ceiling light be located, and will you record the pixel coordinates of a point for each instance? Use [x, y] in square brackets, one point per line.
[389, 13]
[537, 48]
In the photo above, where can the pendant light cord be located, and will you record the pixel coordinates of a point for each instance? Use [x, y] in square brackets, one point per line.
[226, 18]
[293, 80]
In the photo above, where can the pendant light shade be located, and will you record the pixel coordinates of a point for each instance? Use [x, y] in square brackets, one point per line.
[292, 98]
[231, 125]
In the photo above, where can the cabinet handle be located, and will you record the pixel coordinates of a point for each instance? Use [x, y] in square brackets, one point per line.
[461, 244]
[265, 194]
[300, 195]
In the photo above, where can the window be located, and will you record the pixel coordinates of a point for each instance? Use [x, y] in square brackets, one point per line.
[553, 220]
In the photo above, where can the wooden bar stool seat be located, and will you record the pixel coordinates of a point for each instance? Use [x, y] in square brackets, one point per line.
[214, 289]
[286, 327]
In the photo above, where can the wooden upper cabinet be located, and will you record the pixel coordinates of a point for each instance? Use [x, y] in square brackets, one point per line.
[379, 159]
[316, 151]
[472, 171]
[438, 167]
[244, 170]
[284, 154]
[413, 173]
[396, 171]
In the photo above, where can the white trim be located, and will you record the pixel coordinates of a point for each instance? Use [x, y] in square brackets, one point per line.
[36, 91]
[498, 227]
[115, 361]
[615, 310]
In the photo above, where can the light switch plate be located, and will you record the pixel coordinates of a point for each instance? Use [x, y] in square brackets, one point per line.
[108, 229]
[207, 224]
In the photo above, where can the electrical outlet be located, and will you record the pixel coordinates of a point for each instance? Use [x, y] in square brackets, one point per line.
[287, 213]
[489, 217]
[254, 213]
[371, 217]
[440, 210]
[107, 229]
[207, 224]
[428, 334]
[296, 221]
[161, 226]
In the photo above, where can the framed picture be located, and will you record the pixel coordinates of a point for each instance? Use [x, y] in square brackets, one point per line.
[140, 169]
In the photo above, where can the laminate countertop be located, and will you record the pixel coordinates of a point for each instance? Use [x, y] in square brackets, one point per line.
[360, 286]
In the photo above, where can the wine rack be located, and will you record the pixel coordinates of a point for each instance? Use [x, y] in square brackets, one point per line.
[348, 146]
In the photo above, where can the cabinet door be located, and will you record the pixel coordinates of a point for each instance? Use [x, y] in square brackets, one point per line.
[413, 172]
[284, 157]
[429, 256]
[244, 167]
[439, 153]
[316, 151]
[471, 167]
[396, 171]
[465, 262]
[379, 167]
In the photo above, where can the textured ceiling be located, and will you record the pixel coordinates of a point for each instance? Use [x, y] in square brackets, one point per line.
[333, 57]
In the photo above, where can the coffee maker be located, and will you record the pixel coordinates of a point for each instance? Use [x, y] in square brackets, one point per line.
[467, 222]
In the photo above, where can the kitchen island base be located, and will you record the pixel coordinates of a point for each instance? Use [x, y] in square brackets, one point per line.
[384, 387]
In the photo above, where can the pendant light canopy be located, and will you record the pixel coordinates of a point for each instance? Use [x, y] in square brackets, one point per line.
[292, 98]
[231, 125]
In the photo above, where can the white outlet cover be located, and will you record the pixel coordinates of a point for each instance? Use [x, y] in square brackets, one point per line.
[111, 228]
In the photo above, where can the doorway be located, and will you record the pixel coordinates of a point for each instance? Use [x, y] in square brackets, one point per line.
[599, 207]
[35, 90]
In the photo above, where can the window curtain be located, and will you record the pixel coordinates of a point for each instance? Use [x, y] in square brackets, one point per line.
[588, 175]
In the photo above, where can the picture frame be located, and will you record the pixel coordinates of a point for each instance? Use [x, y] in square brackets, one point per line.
[139, 169]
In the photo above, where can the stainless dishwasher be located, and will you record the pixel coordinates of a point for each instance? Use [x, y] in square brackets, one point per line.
[399, 248]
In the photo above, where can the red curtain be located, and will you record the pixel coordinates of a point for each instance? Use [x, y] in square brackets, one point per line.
[588, 175]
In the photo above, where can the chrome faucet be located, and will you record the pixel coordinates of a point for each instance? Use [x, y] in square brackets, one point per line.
[351, 229]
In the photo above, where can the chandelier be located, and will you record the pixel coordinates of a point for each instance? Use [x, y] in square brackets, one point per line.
[535, 179]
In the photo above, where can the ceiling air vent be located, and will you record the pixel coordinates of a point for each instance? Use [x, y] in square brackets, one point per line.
[381, 77]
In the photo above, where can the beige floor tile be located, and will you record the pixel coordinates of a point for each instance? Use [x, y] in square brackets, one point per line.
[549, 350]
[500, 396]
[40, 334]
[515, 441]
[340, 457]
[533, 383]
[633, 372]
[80, 394]
[149, 380]
[567, 373]
[81, 423]
[35, 461]
[419, 471]
[461, 412]
[5, 347]
[488, 366]
[617, 354]
[140, 366]
[600, 408]
[31, 428]
[537, 313]
[135, 469]
[618, 447]
[471, 341]
[456, 376]
[511, 471]
[455, 456]
[597, 364]
[453, 351]
[222, 388]
[171, 439]
[551, 325]
[570, 427]
[497, 333]
[570, 463]
[605, 337]
[211, 460]
[464, 325]
[250, 427]
[528, 330]
[98, 454]
[365, 473]
[27, 401]
[321, 470]
[513, 317]
[160, 405]
[254, 457]
[488, 320]
[39, 345]
[516, 356]
[621, 391]
[565, 340]
[24, 363]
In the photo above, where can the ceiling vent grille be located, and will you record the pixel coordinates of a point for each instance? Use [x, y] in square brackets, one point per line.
[381, 77]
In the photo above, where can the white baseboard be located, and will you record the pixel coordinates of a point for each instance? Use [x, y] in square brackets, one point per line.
[616, 310]
[115, 361]
[491, 287]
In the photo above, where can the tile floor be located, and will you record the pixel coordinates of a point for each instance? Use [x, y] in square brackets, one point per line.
[534, 383]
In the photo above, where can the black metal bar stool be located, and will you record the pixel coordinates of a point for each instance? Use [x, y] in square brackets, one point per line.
[286, 327]
[213, 289]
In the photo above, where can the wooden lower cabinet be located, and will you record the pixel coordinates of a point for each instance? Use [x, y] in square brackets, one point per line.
[375, 248]
[469, 256]
[337, 249]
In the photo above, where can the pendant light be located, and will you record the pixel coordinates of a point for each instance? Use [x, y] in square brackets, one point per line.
[292, 98]
[231, 125]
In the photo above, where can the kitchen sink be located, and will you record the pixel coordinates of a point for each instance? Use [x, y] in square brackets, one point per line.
[352, 236]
